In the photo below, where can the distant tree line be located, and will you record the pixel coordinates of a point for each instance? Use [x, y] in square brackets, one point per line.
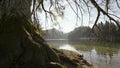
[53, 34]
[106, 32]
[81, 33]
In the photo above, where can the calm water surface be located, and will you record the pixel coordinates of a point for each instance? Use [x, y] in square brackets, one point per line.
[101, 55]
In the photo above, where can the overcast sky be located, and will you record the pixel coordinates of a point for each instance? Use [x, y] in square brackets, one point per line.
[68, 22]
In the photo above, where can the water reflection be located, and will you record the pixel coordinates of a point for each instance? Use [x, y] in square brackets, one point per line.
[69, 47]
[100, 55]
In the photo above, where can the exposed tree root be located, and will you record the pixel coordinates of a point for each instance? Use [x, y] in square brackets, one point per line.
[22, 46]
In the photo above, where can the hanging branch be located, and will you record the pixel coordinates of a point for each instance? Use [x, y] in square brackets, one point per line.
[104, 13]
[34, 3]
[117, 4]
[79, 8]
[87, 9]
[114, 15]
[73, 8]
[107, 6]
[95, 24]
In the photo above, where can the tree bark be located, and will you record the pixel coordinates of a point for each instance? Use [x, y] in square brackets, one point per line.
[8, 7]
[21, 44]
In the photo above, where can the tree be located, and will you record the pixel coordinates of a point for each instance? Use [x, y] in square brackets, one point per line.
[82, 33]
[21, 44]
[108, 32]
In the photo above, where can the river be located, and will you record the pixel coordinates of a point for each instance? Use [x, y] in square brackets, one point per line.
[101, 55]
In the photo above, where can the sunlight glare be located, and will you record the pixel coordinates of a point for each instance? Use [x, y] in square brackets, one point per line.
[68, 47]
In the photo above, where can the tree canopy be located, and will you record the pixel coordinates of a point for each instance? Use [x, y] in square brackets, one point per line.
[105, 9]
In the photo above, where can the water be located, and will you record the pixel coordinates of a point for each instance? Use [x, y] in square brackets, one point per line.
[101, 55]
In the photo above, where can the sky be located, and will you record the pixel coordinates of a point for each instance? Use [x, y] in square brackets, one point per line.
[68, 22]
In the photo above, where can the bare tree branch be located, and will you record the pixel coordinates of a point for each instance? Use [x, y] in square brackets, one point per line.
[117, 4]
[56, 8]
[107, 5]
[73, 9]
[87, 9]
[102, 11]
[95, 24]
[114, 15]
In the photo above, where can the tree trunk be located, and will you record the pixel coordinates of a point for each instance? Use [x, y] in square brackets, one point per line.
[21, 45]
[8, 7]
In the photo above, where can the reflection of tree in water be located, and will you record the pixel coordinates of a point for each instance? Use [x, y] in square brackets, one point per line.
[107, 51]
[84, 47]
[101, 48]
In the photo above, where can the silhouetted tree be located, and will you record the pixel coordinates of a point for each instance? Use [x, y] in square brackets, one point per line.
[108, 32]
[21, 43]
[81, 33]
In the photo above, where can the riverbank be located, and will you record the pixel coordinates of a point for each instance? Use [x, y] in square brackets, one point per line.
[70, 59]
